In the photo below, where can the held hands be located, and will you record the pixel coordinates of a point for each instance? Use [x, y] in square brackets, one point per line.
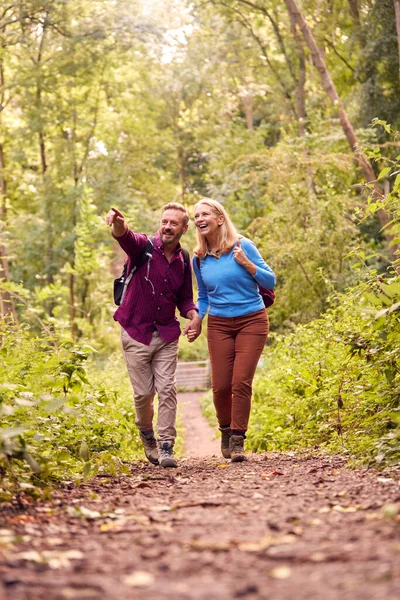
[193, 328]
[116, 220]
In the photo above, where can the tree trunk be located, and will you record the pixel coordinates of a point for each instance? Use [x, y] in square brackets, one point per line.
[247, 102]
[397, 12]
[354, 10]
[301, 108]
[330, 89]
[7, 306]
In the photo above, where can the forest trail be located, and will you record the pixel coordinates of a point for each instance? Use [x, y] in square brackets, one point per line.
[200, 438]
[280, 526]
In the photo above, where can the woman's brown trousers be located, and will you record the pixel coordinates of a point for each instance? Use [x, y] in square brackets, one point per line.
[235, 346]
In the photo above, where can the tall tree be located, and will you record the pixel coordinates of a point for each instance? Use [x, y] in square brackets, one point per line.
[348, 129]
[397, 13]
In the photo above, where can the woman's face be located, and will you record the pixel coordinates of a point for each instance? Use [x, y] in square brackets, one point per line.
[207, 220]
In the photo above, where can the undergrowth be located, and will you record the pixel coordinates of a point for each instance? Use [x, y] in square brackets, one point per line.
[63, 415]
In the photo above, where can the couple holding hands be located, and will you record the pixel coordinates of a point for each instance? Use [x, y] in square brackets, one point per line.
[229, 270]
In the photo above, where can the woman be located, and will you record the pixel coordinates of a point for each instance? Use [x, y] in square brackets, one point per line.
[228, 268]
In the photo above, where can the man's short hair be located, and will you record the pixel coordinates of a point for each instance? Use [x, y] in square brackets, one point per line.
[177, 206]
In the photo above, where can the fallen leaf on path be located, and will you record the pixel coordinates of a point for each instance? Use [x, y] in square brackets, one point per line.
[391, 510]
[22, 519]
[139, 579]
[161, 508]
[203, 503]
[346, 509]
[53, 558]
[318, 557]
[282, 572]
[272, 474]
[80, 593]
[7, 536]
[83, 512]
[208, 545]
[266, 542]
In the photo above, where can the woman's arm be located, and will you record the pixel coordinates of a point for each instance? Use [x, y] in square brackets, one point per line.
[202, 300]
[247, 255]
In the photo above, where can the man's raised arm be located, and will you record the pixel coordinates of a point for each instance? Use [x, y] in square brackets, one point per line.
[116, 220]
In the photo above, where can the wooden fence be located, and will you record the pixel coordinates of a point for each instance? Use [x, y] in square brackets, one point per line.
[193, 375]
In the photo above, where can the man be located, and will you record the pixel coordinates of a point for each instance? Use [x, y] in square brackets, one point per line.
[149, 327]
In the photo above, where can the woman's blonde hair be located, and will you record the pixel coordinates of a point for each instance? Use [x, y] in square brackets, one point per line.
[228, 235]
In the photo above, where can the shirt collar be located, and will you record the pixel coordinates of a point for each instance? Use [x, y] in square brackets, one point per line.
[211, 253]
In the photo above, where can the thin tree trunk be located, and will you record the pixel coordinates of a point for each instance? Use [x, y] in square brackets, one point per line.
[330, 89]
[247, 25]
[77, 170]
[37, 61]
[182, 175]
[354, 10]
[301, 110]
[7, 306]
[397, 12]
[247, 103]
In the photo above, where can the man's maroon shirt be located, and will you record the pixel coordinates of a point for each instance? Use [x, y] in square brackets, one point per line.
[142, 311]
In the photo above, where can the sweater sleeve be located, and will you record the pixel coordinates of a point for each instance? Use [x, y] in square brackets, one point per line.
[185, 300]
[264, 274]
[202, 300]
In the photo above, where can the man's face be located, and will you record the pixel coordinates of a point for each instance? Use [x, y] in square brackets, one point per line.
[172, 227]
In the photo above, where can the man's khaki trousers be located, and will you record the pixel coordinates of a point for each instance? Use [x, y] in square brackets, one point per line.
[152, 369]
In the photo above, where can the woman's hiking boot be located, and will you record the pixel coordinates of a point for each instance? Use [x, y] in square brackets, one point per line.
[225, 437]
[166, 455]
[150, 446]
[236, 446]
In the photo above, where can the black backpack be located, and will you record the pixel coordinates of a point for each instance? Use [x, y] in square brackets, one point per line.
[122, 282]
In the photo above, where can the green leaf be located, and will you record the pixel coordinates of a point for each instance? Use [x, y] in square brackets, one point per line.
[384, 172]
[55, 404]
[32, 462]
[392, 290]
[84, 451]
[11, 432]
[86, 470]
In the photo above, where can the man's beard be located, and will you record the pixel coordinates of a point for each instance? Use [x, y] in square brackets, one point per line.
[171, 239]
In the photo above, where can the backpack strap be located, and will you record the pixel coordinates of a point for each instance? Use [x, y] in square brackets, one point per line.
[144, 257]
[186, 258]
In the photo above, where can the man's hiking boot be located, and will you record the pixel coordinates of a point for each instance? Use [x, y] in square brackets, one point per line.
[150, 446]
[225, 437]
[166, 455]
[236, 444]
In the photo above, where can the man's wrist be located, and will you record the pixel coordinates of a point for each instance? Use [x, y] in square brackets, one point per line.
[120, 233]
[191, 314]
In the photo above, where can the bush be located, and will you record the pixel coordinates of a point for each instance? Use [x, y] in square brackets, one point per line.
[335, 382]
[62, 415]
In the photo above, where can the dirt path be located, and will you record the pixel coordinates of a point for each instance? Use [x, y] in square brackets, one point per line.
[279, 527]
[200, 438]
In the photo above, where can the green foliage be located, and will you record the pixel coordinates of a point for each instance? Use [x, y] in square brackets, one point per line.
[117, 104]
[63, 415]
[335, 382]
